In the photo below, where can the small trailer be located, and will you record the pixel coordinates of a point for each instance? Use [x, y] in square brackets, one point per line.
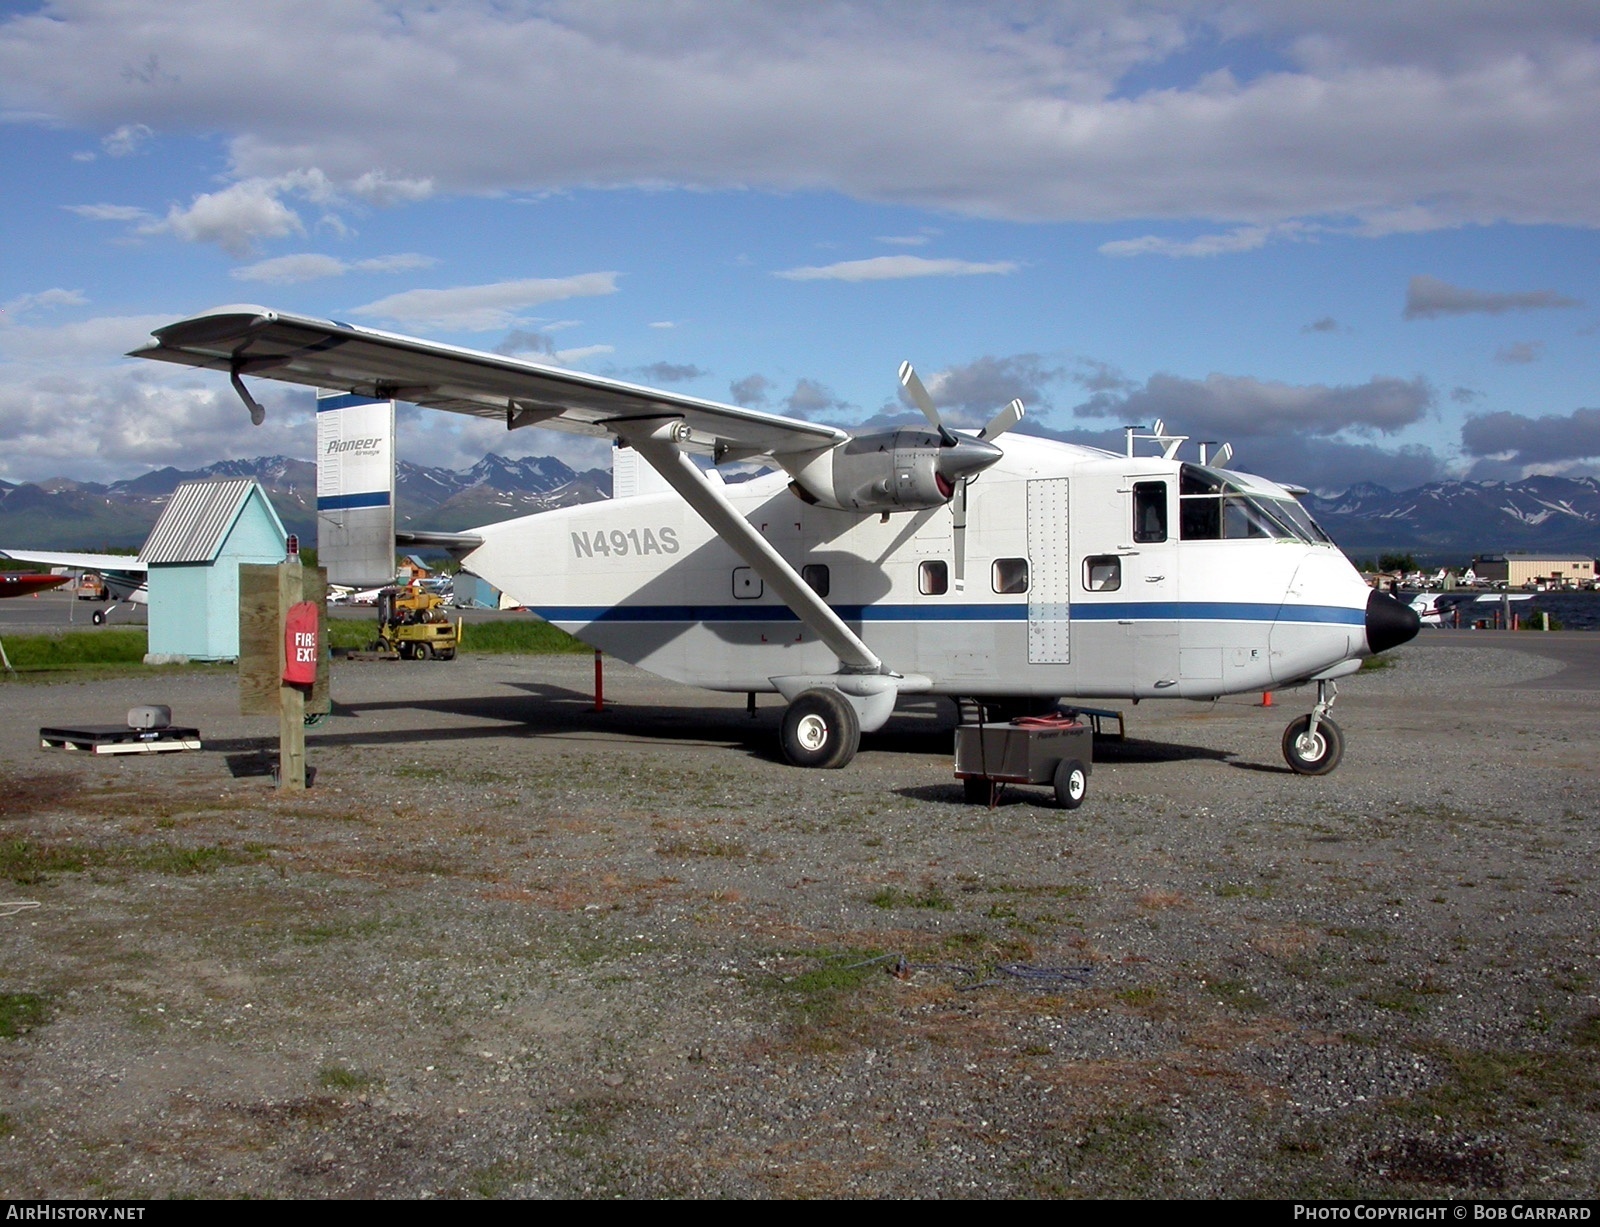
[1057, 749]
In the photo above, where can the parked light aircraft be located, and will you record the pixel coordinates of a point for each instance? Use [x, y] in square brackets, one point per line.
[28, 583]
[904, 561]
[125, 575]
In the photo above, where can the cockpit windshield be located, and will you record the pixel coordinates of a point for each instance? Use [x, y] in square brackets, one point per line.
[1213, 508]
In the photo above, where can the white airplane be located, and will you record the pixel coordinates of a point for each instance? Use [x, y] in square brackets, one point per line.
[906, 561]
[125, 575]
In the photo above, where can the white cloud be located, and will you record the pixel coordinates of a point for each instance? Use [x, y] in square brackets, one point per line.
[109, 212]
[572, 357]
[484, 308]
[125, 140]
[663, 324]
[310, 266]
[1242, 238]
[233, 218]
[1386, 116]
[379, 188]
[92, 341]
[889, 268]
[24, 303]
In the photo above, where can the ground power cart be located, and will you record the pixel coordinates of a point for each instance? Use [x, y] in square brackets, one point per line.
[1057, 749]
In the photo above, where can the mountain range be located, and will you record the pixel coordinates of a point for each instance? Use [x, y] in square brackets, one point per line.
[1441, 522]
[65, 514]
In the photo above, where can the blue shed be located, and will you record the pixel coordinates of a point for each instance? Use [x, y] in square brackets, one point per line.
[193, 554]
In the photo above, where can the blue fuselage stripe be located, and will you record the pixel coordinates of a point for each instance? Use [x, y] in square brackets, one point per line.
[343, 502]
[1125, 611]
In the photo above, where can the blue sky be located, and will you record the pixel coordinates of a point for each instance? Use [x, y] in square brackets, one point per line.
[1356, 240]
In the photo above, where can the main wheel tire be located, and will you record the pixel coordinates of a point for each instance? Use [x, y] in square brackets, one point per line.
[99, 617]
[1313, 754]
[977, 789]
[820, 729]
[1072, 783]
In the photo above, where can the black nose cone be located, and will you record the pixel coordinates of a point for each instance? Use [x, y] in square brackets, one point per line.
[1389, 622]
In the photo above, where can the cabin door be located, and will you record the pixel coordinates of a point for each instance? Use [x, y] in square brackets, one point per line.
[1151, 583]
[1050, 560]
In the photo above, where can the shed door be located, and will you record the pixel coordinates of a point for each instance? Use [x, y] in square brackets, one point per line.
[1050, 564]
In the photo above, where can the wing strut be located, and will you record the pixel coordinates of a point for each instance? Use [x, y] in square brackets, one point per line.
[656, 439]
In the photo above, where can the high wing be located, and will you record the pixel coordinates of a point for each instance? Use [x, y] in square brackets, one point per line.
[80, 562]
[248, 340]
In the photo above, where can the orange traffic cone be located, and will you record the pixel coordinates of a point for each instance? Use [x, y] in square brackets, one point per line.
[1266, 698]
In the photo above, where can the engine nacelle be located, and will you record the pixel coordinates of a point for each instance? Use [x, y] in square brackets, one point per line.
[893, 470]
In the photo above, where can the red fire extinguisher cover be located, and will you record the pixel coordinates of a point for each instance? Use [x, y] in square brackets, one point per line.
[300, 644]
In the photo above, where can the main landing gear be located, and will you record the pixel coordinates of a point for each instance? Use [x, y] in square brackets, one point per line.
[820, 729]
[1313, 745]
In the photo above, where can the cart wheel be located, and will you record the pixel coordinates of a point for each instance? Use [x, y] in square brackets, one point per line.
[424, 651]
[446, 654]
[977, 789]
[1072, 782]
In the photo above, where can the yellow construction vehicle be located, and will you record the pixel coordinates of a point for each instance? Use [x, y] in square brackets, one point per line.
[413, 623]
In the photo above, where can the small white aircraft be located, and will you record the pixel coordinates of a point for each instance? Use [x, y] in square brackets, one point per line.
[125, 575]
[905, 561]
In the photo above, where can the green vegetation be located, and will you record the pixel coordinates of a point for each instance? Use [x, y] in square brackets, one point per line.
[26, 863]
[930, 897]
[513, 636]
[519, 638]
[39, 653]
[21, 1013]
[343, 1078]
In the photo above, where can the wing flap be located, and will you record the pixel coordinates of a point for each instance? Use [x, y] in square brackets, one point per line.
[329, 354]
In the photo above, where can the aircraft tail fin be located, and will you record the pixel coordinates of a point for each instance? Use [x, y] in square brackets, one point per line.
[355, 489]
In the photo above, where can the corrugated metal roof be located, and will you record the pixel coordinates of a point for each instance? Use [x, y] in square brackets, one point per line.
[196, 521]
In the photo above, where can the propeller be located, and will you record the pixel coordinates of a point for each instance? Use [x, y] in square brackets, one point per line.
[965, 460]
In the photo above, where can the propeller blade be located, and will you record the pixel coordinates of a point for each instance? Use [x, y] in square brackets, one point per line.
[1224, 454]
[920, 398]
[1002, 421]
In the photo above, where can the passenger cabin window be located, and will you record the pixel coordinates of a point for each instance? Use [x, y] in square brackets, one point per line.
[1102, 573]
[1149, 511]
[816, 575]
[933, 578]
[1009, 575]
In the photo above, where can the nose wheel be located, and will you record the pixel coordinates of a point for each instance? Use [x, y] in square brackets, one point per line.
[1314, 744]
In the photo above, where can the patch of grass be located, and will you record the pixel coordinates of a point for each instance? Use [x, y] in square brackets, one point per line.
[343, 1078]
[930, 897]
[520, 637]
[21, 1013]
[818, 1001]
[170, 858]
[27, 863]
[684, 848]
[1236, 993]
[1138, 997]
[39, 653]
[7, 1126]
[1586, 1033]
[1374, 663]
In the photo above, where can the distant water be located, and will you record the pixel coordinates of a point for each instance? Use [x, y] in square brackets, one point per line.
[1574, 611]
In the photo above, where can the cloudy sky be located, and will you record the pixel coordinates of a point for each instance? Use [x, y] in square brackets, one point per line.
[1357, 240]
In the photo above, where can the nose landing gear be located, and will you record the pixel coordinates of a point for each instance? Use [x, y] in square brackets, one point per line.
[1314, 744]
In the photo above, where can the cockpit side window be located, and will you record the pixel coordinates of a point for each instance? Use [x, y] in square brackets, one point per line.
[1149, 511]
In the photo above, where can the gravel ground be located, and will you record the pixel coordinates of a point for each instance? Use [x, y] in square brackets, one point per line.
[509, 947]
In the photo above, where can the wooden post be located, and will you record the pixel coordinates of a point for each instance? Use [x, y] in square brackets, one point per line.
[291, 699]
